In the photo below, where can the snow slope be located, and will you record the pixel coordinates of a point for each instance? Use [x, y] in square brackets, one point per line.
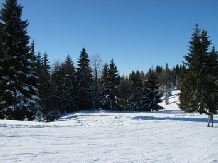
[168, 136]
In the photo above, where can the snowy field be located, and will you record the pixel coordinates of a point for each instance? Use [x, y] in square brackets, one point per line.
[168, 136]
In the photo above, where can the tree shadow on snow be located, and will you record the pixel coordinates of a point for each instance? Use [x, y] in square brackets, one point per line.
[170, 111]
[147, 118]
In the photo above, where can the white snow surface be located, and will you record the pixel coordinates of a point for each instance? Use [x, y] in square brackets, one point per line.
[167, 136]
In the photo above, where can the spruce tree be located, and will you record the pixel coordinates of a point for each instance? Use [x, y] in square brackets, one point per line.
[125, 91]
[104, 87]
[167, 85]
[45, 85]
[35, 66]
[113, 75]
[18, 80]
[105, 80]
[84, 82]
[199, 86]
[64, 86]
[109, 82]
[56, 100]
[137, 91]
[152, 94]
[68, 84]
[212, 79]
[114, 81]
[176, 76]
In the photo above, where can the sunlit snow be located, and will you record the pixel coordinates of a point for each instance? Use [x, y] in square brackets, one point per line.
[168, 136]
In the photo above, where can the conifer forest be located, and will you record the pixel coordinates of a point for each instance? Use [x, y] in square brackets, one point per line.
[33, 88]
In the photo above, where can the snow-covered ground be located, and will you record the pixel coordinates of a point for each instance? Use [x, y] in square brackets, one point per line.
[168, 136]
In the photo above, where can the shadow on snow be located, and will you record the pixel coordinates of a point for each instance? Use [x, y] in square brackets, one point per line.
[147, 118]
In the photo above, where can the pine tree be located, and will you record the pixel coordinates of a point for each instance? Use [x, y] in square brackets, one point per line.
[45, 85]
[56, 95]
[176, 76]
[125, 91]
[35, 66]
[114, 81]
[152, 95]
[168, 85]
[137, 91]
[212, 81]
[68, 81]
[19, 94]
[104, 87]
[199, 86]
[64, 86]
[84, 82]
[162, 76]
[109, 82]
[113, 75]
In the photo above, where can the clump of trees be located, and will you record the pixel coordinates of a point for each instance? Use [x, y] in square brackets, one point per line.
[199, 89]
[31, 89]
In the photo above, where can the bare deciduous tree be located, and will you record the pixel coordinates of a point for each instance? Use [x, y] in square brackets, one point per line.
[96, 66]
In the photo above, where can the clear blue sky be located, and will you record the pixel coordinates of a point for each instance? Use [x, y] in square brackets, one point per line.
[137, 34]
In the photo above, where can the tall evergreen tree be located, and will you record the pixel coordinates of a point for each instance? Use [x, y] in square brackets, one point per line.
[54, 110]
[109, 81]
[64, 86]
[137, 90]
[159, 69]
[45, 85]
[113, 75]
[152, 94]
[199, 87]
[68, 84]
[212, 81]
[39, 115]
[177, 75]
[125, 93]
[18, 80]
[167, 84]
[84, 82]
[104, 87]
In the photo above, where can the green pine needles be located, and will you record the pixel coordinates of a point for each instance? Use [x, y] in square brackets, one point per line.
[18, 79]
[199, 86]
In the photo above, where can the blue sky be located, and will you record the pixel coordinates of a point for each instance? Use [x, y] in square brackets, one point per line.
[137, 34]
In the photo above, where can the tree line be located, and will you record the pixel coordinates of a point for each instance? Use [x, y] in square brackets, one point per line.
[31, 89]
